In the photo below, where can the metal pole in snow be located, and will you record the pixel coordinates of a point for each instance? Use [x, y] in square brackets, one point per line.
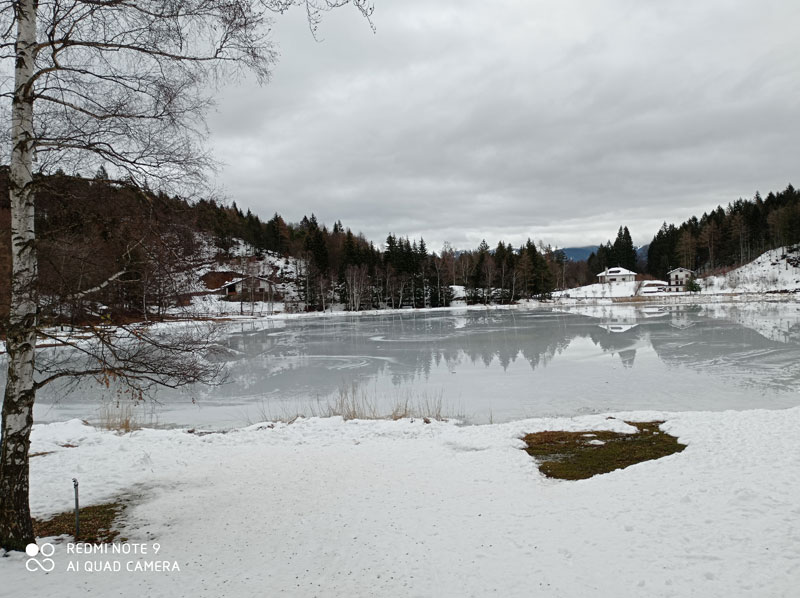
[77, 515]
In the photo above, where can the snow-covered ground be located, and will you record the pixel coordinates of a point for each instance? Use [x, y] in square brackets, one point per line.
[599, 291]
[324, 507]
[775, 270]
[216, 306]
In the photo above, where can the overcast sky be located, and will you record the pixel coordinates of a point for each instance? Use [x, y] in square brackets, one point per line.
[560, 120]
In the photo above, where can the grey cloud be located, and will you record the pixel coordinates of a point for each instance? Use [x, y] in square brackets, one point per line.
[461, 120]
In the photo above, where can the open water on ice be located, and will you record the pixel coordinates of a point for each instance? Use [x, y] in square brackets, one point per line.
[487, 365]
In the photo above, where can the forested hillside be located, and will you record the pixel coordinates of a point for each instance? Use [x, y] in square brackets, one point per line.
[728, 236]
[103, 244]
[343, 267]
[114, 249]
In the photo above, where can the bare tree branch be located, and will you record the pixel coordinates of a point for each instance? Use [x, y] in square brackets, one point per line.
[127, 84]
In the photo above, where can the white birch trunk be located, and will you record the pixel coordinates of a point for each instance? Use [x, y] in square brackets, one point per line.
[16, 529]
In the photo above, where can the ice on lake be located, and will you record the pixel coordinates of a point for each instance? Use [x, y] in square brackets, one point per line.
[494, 365]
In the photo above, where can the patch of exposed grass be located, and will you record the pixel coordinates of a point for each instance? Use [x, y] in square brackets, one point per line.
[122, 416]
[581, 455]
[354, 402]
[97, 524]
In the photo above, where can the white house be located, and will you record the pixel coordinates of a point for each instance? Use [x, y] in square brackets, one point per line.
[678, 279]
[617, 274]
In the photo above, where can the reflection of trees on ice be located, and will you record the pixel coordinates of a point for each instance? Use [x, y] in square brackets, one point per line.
[469, 353]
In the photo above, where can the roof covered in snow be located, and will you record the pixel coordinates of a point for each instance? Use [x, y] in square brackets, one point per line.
[680, 270]
[616, 271]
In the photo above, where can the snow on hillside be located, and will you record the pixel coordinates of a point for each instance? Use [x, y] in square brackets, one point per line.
[210, 269]
[773, 271]
[240, 258]
[329, 508]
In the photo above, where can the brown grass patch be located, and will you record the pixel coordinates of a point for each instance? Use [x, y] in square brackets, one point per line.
[97, 524]
[580, 455]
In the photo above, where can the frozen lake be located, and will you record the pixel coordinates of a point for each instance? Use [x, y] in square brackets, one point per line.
[491, 365]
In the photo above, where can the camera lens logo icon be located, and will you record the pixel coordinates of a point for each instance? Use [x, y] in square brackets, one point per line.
[45, 564]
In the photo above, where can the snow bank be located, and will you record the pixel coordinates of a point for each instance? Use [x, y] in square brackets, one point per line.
[774, 271]
[331, 508]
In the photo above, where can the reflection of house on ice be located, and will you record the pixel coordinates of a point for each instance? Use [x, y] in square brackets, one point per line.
[653, 312]
[619, 326]
[680, 320]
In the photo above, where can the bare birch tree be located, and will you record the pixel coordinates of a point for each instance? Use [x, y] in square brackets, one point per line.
[116, 82]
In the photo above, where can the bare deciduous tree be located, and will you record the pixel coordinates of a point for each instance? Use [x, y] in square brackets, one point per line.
[357, 284]
[116, 82]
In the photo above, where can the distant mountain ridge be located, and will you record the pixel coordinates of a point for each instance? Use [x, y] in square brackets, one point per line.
[579, 254]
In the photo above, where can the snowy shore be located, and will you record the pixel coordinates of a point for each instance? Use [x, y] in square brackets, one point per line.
[324, 507]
